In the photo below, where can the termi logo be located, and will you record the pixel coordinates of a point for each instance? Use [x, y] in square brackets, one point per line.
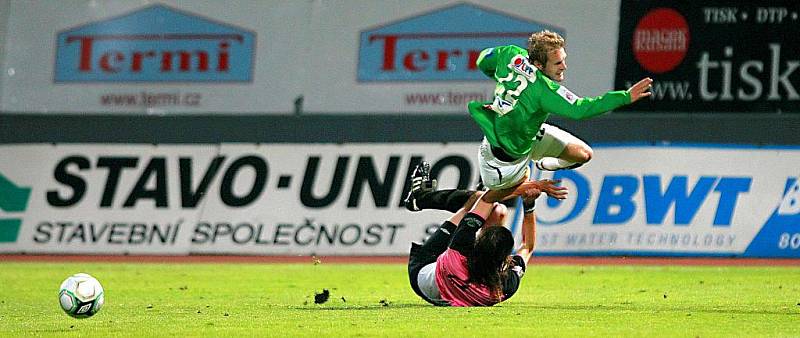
[12, 199]
[155, 44]
[442, 45]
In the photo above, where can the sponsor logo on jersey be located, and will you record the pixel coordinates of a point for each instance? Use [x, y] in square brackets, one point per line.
[420, 48]
[501, 106]
[155, 44]
[472, 222]
[567, 95]
[521, 65]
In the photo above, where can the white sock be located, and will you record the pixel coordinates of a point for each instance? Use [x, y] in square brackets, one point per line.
[553, 163]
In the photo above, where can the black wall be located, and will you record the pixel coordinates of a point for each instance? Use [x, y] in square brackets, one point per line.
[754, 129]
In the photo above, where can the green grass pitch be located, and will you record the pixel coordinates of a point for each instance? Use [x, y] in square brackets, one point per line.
[198, 299]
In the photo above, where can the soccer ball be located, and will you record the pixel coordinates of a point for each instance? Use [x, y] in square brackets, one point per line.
[81, 296]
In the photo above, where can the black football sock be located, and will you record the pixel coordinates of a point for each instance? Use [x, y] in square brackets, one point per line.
[449, 199]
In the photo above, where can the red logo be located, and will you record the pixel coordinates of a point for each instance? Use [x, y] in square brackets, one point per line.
[660, 40]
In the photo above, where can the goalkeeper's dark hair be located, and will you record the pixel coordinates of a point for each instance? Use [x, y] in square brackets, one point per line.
[489, 261]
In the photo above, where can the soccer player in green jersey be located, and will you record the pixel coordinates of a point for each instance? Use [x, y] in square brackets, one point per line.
[527, 91]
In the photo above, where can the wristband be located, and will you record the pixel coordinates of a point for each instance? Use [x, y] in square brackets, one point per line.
[529, 207]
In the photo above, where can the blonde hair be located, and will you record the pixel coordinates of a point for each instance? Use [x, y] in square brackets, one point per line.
[542, 43]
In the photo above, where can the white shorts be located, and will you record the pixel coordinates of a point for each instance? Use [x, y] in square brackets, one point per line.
[497, 174]
[426, 279]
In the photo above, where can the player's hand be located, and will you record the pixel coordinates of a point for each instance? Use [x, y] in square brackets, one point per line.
[641, 89]
[552, 188]
[528, 189]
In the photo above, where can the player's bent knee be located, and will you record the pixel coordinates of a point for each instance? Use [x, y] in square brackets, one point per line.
[584, 154]
[577, 152]
[587, 155]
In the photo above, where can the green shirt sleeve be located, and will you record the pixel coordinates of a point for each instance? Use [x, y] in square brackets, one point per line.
[485, 120]
[559, 100]
[489, 58]
[487, 62]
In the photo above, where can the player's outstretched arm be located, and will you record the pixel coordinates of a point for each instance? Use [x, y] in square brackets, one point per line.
[525, 252]
[547, 186]
[527, 189]
[528, 238]
[558, 100]
[641, 89]
[552, 188]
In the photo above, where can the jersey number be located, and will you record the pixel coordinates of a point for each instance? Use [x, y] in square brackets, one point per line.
[508, 97]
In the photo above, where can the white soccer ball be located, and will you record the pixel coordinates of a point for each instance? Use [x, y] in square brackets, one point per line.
[81, 296]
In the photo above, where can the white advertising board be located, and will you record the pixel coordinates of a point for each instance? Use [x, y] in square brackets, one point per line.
[303, 199]
[233, 198]
[153, 58]
[418, 56]
[3, 27]
[354, 56]
[677, 200]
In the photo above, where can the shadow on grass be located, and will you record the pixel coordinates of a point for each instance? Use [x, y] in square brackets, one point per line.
[587, 308]
[63, 331]
[376, 307]
[624, 307]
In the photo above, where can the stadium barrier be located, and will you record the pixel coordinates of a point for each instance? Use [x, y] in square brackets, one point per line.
[346, 199]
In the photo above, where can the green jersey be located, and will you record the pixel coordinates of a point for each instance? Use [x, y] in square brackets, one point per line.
[525, 97]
